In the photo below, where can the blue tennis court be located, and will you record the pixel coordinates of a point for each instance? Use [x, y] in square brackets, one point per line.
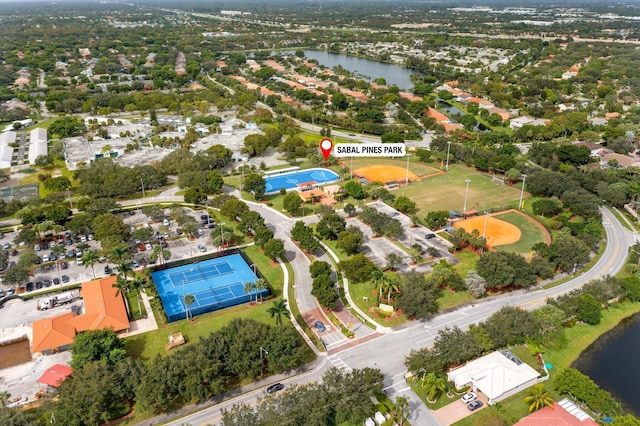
[215, 284]
[290, 180]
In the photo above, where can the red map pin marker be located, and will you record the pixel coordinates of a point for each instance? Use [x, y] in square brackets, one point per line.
[326, 145]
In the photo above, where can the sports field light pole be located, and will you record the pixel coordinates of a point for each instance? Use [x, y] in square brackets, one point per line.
[484, 231]
[524, 179]
[221, 236]
[466, 193]
[446, 169]
[406, 178]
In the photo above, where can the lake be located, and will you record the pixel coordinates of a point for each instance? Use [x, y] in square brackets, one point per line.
[612, 362]
[394, 74]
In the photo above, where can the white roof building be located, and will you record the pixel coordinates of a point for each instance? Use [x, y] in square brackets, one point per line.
[6, 151]
[497, 375]
[37, 144]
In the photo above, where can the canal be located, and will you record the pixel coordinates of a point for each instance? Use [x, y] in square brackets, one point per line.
[612, 362]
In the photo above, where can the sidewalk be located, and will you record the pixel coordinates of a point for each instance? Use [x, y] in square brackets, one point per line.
[145, 324]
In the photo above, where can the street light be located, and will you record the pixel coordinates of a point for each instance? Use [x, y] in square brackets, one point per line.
[142, 183]
[406, 179]
[263, 350]
[466, 193]
[446, 169]
[524, 179]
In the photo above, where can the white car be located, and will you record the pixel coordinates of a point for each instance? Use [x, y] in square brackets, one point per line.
[468, 397]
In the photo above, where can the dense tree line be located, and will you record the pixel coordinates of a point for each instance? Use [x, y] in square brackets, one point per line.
[339, 398]
[99, 391]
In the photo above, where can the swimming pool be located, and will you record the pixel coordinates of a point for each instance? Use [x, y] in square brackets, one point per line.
[214, 284]
[290, 180]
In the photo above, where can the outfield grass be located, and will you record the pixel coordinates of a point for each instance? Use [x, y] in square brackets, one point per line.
[531, 234]
[447, 192]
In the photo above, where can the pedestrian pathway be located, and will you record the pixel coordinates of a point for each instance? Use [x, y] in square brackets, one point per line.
[142, 325]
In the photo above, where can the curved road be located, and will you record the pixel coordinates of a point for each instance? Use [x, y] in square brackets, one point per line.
[387, 352]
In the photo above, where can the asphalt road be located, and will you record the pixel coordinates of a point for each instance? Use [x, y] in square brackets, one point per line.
[387, 352]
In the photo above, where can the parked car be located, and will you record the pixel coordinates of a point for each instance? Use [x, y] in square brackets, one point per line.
[472, 406]
[37, 247]
[107, 270]
[275, 388]
[13, 252]
[204, 217]
[165, 222]
[47, 283]
[148, 247]
[79, 261]
[56, 281]
[29, 286]
[64, 265]
[10, 291]
[319, 326]
[39, 285]
[202, 248]
[468, 397]
[211, 225]
[45, 258]
[2, 292]
[69, 242]
[135, 263]
[164, 244]
[200, 231]
[65, 279]
[430, 236]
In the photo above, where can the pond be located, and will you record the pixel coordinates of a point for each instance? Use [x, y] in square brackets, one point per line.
[612, 362]
[394, 74]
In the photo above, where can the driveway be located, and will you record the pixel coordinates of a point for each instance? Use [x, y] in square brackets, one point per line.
[457, 410]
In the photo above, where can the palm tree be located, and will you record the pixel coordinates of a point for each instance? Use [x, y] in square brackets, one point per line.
[248, 286]
[188, 301]
[401, 409]
[378, 278]
[138, 284]
[392, 286]
[123, 288]
[89, 258]
[436, 385]
[278, 309]
[125, 267]
[119, 253]
[58, 250]
[4, 397]
[260, 285]
[538, 398]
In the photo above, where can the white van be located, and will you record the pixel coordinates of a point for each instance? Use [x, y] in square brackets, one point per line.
[165, 222]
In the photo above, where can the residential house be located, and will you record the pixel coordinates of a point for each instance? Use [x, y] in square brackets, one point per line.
[498, 375]
[561, 413]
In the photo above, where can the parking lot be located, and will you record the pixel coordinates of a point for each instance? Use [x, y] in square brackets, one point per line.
[67, 271]
[377, 248]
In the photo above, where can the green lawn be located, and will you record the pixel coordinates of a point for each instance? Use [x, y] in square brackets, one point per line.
[531, 234]
[450, 299]
[447, 192]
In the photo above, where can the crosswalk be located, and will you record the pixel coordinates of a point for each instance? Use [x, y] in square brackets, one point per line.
[339, 363]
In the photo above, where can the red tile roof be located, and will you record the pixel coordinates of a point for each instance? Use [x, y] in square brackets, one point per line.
[103, 308]
[556, 416]
[55, 375]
